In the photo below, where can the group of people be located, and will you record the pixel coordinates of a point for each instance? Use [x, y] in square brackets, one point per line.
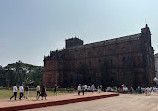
[147, 90]
[141, 90]
[85, 88]
[25, 90]
[42, 93]
[22, 90]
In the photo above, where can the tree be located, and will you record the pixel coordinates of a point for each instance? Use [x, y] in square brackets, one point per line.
[2, 77]
[18, 73]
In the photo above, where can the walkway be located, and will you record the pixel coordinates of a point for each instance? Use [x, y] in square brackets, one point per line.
[12, 105]
[123, 102]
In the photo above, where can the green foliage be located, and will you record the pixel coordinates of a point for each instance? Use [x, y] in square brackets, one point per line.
[5, 88]
[5, 94]
[62, 89]
[20, 73]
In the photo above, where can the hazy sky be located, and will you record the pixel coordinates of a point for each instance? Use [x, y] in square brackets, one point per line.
[29, 29]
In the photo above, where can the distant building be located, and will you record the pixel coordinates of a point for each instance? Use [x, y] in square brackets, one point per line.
[126, 60]
[156, 66]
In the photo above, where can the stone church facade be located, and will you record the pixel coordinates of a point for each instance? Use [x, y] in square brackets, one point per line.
[126, 60]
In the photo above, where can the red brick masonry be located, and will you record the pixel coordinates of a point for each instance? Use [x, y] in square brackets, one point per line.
[22, 105]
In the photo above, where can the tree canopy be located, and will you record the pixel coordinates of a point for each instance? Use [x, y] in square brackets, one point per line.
[20, 73]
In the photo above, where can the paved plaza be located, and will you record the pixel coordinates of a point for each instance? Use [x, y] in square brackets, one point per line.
[12, 105]
[123, 102]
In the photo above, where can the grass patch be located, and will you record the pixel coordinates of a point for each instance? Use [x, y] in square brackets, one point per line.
[6, 94]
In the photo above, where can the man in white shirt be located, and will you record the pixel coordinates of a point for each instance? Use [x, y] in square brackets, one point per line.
[79, 89]
[38, 92]
[86, 88]
[15, 92]
[21, 91]
[92, 88]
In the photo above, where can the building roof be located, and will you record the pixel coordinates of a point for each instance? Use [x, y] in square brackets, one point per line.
[107, 42]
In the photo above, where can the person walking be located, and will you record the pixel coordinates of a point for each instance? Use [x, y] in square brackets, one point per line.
[92, 88]
[37, 92]
[99, 89]
[55, 90]
[15, 89]
[79, 89]
[83, 89]
[131, 90]
[21, 91]
[26, 92]
[86, 88]
[43, 93]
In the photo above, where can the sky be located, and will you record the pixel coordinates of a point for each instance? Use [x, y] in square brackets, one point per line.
[30, 29]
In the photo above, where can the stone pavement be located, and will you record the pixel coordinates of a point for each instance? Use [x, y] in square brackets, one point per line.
[12, 105]
[123, 102]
